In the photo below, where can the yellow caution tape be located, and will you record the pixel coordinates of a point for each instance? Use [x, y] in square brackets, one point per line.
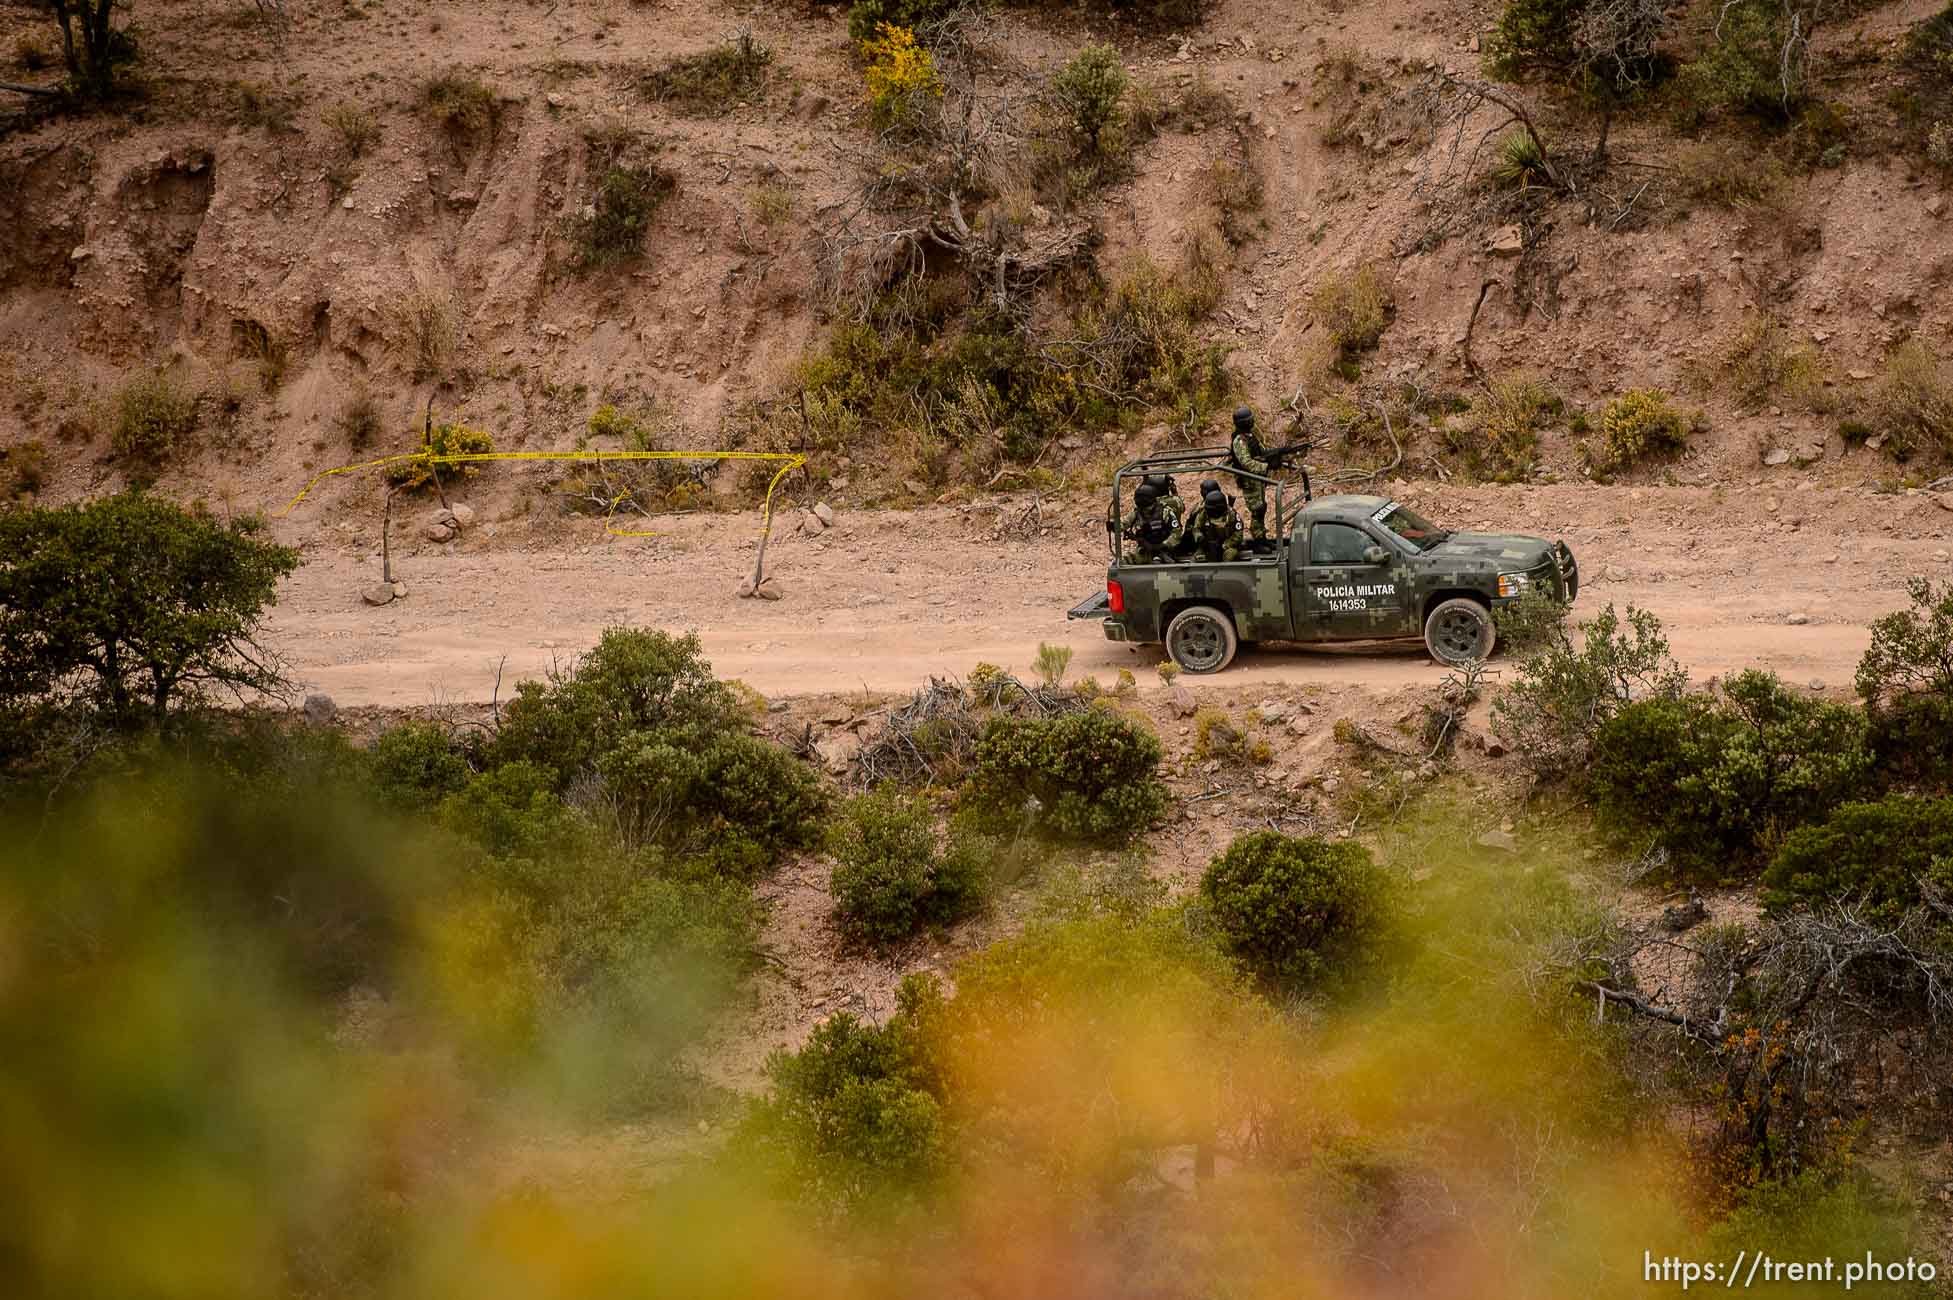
[792, 461]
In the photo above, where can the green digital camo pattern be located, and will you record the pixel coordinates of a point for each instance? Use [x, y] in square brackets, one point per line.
[1254, 493]
[1212, 533]
[1166, 512]
[1283, 597]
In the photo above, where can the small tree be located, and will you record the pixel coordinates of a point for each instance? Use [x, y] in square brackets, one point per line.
[1912, 649]
[1286, 906]
[133, 606]
[103, 46]
[1550, 715]
[1091, 89]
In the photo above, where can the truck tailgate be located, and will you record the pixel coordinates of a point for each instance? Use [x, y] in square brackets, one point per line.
[1097, 605]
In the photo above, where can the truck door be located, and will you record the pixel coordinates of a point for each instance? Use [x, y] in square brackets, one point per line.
[1351, 585]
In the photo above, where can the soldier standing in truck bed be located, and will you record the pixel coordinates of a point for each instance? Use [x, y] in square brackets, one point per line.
[1246, 452]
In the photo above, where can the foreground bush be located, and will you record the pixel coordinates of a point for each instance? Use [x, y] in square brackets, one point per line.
[1288, 908]
[153, 416]
[1086, 776]
[890, 879]
[1718, 780]
[1874, 854]
[1562, 696]
[1639, 424]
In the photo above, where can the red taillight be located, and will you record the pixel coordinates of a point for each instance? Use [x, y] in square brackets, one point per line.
[1115, 596]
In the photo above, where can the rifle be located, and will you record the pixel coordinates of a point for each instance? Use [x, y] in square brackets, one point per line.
[1279, 457]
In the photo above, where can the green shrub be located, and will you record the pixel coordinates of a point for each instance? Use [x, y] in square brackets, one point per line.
[1912, 401]
[1717, 781]
[415, 765]
[447, 439]
[1519, 164]
[1911, 740]
[153, 414]
[1091, 90]
[1288, 908]
[709, 84]
[1499, 437]
[1354, 310]
[1536, 620]
[461, 104]
[1216, 737]
[612, 228]
[1562, 695]
[856, 1116]
[890, 880]
[1911, 649]
[23, 468]
[867, 17]
[1533, 33]
[356, 127]
[1089, 776]
[512, 811]
[901, 77]
[1755, 63]
[1874, 853]
[1638, 424]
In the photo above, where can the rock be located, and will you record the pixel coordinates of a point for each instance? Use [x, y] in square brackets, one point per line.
[399, 590]
[1944, 500]
[824, 513]
[463, 198]
[1860, 375]
[1771, 504]
[768, 591]
[378, 595]
[555, 99]
[914, 488]
[744, 589]
[1503, 841]
[1494, 748]
[320, 708]
[439, 531]
[347, 203]
[837, 751]
[1808, 454]
[1271, 711]
[1776, 456]
[1613, 573]
[1181, 700]
[1935, 205]
[1816, 685]
[463, 515]
[1677, 919]
[1797, 619]
[1299, 725]
[1507, 241]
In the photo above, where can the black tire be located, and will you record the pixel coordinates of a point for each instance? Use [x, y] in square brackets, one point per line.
[1459, 631]
[1202, 639]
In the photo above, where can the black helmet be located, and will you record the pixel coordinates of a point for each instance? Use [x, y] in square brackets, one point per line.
[1244, 419]
[1161, 483]
[1209, 486]
[1216, 501]
[1146, 494]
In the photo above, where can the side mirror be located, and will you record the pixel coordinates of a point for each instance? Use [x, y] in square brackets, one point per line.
[1375, 555]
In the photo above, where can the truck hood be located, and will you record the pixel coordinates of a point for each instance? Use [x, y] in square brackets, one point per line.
[1506, 552]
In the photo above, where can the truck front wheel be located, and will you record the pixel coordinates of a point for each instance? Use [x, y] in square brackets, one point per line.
[1459, 631]
[1201, 639]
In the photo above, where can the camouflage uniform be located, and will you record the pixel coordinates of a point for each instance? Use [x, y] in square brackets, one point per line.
[1215, 534]
[1247, 452]
[1155, 534]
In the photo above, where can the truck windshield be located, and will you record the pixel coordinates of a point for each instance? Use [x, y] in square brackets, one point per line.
[1411, 526]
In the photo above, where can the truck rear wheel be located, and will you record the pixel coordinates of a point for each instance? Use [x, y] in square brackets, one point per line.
[1201, 639]
[1460, 631]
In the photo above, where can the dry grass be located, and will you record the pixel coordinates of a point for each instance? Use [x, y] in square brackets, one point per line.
[1498, 438]
[429, 334]
[1911, 402]
[1353, 310]
[1761, 366]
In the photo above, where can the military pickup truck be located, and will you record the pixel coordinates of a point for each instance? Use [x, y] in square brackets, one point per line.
[1339, 568]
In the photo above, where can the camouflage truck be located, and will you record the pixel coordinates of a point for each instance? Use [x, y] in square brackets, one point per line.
[1338, 568]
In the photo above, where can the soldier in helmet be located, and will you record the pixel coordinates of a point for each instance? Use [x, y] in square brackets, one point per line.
[1169, 495]
[1153, 526]
[1246, 452]
[1214, 530]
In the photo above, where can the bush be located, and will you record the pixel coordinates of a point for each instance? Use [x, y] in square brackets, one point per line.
[359, 419]
[153, 414]
[1912, 402]
[1562, 696]
[1533, 33]
[427, 322]
[356, 127]
[612, 228]
[867, 18]
[415, 765]
[1091, 89]
[890, 879]
[711, 83]
[23, 468]
[1756, 65]
[1499, 437]
[461, 104]
[513, 812]
[1638, 424]
[446, 439]
[1216, 737]
[134, 607]
[856, 1116]
[1717, 781]
[1911, 649]
[1760, 366]
[1869, 853]
[901, 76]
[1088, 776]
[1354, 310]
[1729, 173]
[1536, 620]
[1288, 907]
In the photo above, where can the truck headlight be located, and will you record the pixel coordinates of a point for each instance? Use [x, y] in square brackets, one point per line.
[1512, 584]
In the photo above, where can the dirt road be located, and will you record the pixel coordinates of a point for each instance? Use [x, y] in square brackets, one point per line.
[884, 599]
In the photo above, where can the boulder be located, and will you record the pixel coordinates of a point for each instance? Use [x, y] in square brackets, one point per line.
[1181, 700]
[1776, 456]
[463, 515]
[1271, 711]
[319, 708]
[439, 532]
[1501, 840]
[1798, 619]
[1507, 241]
[380, 594]
[824, 513]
